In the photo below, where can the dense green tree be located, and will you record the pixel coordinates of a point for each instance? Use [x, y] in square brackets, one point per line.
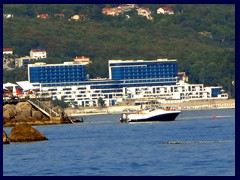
[101, 102]
[59, 103]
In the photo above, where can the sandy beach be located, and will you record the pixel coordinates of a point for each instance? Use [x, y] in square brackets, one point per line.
[181, 105]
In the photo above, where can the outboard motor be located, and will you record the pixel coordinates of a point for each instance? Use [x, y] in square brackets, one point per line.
[124, 118]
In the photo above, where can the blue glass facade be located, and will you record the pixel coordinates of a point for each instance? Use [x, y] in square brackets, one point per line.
[121, 73]
[143, 69]
[56, 73]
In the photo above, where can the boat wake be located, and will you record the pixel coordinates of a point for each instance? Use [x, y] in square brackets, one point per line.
[196, 142]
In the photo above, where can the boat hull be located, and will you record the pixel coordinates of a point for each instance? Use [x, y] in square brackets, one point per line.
[161, 117]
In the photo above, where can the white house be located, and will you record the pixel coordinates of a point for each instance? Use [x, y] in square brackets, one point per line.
[82, 59]
[126, 7]
[8, 51]
[38, 54]
[143, 11]
[7, 16]
[112, 11]
[165, 10]
[43, 16]
[78, 17]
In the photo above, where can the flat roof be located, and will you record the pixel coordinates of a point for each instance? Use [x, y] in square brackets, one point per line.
[63, 64]
[126, 61]
[25, 85]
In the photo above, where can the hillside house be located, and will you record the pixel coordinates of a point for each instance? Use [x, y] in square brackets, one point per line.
[182, 77]
[38, 54]
[78, 17]
[6, 16]
[143, 11]
[165, 10]
[82, 59]
[112, 11]
[43, 16]
[127, 7]
[8, 51]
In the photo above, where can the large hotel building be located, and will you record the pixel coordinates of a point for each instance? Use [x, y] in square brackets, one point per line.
[128, 79]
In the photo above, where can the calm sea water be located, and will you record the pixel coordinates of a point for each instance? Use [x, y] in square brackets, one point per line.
[103, 147]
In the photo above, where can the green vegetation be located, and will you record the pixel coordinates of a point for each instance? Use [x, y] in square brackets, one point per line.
[101, 102]
[59, 103]
[201, 37]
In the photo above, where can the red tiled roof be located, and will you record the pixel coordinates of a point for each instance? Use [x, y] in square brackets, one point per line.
[38, 50]
[167, 9]
[107, 10]
[42, 16]
[80, 57]
[144, 8]
[7, 49]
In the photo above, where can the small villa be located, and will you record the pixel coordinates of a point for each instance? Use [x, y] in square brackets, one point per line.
[8, 51]
[38, 54]
[165, 10]
[43, 16]
[82, 59]
[78, 17]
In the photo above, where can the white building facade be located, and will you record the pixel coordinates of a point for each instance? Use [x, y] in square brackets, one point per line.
[165, 10]
[38, 54]
[88, 93]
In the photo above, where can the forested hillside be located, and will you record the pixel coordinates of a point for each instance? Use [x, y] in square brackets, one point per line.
[200, 37]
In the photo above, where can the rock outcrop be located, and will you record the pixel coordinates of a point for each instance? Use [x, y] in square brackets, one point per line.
[9, 111]
[37, 115]
[6, 140]
[25, 133]
[24, 112]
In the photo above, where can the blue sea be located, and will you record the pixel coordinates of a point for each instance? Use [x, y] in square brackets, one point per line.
[101, 146]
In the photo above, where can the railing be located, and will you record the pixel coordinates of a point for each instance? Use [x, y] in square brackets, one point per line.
[44, 108]
[25, 97]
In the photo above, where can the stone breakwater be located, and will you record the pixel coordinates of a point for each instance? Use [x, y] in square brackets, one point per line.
[181, 105]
